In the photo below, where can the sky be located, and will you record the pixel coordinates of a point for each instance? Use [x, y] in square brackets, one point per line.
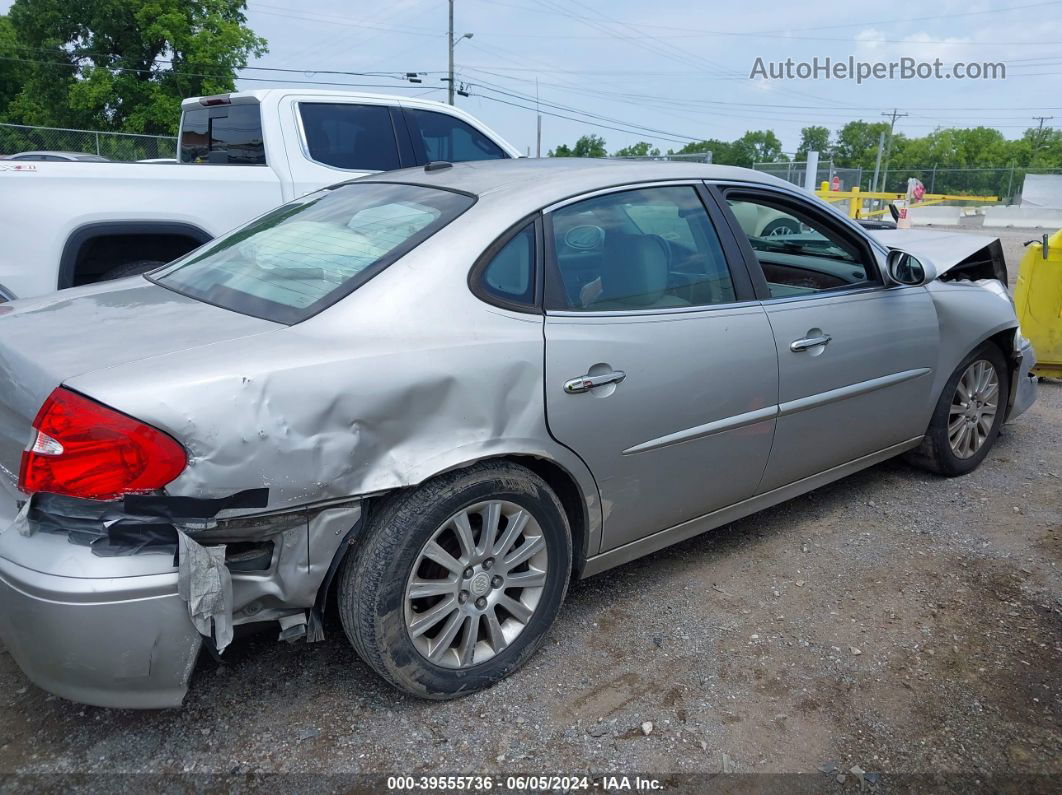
[672, 71]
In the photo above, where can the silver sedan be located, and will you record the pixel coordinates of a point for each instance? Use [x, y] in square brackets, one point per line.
[428, 399]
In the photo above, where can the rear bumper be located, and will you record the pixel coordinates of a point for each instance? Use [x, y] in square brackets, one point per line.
[1026, 388]
[105, 631]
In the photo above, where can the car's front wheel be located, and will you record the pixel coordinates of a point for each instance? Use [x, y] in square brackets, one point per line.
[968, 414]
[455, 583]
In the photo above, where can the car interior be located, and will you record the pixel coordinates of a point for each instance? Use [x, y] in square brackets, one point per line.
[646, 249]
[797, 255]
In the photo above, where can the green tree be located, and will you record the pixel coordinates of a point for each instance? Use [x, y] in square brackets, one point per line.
[720, 150]
[125, 64]
[12, 72]
[814, 139]
[856, 144]
[640, 149]
[757, 146]
[1039, 148]
[586, 146]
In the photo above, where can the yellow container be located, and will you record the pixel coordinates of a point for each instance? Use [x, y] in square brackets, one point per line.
[1038, 300]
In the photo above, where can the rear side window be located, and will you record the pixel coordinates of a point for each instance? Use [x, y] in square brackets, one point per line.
[223, 135]
[510, 273]
[304, 256]
[438, 136]
[359, 137]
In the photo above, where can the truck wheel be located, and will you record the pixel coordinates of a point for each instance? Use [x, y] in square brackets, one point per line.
[968, 415]
[130, 269]
[456, 582]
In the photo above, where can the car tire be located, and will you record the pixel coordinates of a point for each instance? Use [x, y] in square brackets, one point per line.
[394, 558]
[130, 269]
[938, 451]
[780, 227]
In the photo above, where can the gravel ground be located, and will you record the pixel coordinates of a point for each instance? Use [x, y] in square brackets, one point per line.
[894, 621]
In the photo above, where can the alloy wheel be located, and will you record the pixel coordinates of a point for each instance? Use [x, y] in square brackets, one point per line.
[973, 408]
[476, 584]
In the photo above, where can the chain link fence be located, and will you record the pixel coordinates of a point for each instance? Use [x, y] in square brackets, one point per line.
[1003, 182]
[15, 138]
[796, 170]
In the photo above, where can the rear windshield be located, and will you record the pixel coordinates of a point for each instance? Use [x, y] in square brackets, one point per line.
[298, 259]
[223, 135]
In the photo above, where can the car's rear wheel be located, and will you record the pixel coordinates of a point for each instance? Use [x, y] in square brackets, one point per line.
[968, 414]
[456, 582]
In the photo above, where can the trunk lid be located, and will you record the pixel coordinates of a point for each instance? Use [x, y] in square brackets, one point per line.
[46, 341]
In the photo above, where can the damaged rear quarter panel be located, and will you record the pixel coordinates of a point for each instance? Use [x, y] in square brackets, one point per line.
[409, 376]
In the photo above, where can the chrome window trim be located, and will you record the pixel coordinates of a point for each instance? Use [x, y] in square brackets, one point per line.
[872, 290]
[670, 183]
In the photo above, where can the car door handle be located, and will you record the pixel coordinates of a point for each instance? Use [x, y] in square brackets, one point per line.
[585, 383]
[809, 342]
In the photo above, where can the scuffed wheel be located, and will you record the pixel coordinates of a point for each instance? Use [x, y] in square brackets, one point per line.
[455, 583]
[968, 415]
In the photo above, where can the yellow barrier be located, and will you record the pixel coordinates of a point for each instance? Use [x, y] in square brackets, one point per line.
[1038, 301]
[855, 198]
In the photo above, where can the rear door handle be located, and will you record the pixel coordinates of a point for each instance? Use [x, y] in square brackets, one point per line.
[585, 383]
[809, 342]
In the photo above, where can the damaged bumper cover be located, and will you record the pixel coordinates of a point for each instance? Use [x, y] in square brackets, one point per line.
[112, 610]
[1025, 387]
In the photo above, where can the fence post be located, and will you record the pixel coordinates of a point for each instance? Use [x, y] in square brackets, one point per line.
[1010, 186]
[933, 179]
[97, 143]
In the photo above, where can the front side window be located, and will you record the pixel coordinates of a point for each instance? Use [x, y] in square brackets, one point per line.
[223, 135]
[798, 253]
[357, 137]
[439, 136]
[304, 256]
[652, 248]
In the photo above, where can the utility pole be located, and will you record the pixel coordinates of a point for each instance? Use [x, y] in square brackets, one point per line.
[1040, 131]
[877, 163]
[538, 135]
[888, 146]
[450, 40]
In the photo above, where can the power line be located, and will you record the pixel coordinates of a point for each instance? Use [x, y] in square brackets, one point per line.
[581, 121]
[182, 73]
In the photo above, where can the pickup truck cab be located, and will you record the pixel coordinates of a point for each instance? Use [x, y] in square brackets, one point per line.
[239, 155]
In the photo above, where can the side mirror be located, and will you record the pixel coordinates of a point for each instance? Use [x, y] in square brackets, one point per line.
[906, 269]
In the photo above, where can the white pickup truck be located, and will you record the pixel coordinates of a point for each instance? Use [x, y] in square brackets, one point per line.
[66, 223]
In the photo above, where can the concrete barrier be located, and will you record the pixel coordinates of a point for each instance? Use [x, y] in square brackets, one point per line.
[935, 216]
[1023, 217]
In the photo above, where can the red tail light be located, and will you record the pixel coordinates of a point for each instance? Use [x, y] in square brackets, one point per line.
[84, 449]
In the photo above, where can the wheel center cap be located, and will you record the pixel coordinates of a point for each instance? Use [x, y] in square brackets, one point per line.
[480, 584]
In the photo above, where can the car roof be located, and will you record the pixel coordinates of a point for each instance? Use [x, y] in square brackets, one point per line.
[562, 176]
